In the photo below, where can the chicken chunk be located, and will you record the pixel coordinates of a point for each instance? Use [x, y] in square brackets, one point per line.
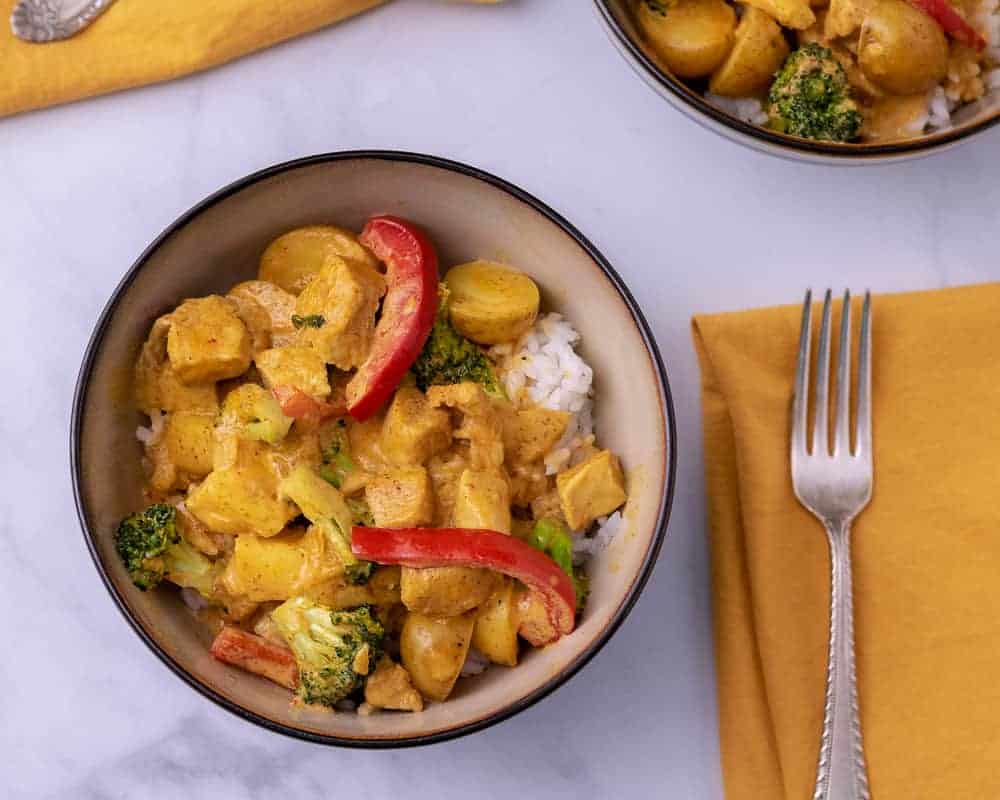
[341, 300]
[482, 501]
[300, 367]
[591, 489]
[529, 433]
[527, 482]
[207, 341]
[242, 497]
[445, 471]
[389, 686]
[547, 505]
[413, 431]
[401, 498]
[157, 387]
[844, 17]
[266, 310]
[366, 444]
[479, 422]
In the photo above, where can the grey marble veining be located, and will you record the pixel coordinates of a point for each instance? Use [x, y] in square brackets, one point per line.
[533, 92]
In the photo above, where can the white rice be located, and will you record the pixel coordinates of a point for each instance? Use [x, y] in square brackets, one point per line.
[607, 529]
[747, 109]
[151, 435]
[475, 663]
[193, 599]
[543, 369]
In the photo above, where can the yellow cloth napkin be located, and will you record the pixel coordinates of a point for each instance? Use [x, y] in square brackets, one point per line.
[141, 41]
[926, 553]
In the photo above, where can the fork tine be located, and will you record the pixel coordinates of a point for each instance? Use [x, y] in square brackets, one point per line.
[842, 421]
[800, 405]
[864, 412]
[821, 414]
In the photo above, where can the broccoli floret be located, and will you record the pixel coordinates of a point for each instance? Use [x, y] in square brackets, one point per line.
[448, 357]
[359, 574]
[254, 410]
[810, 97]
[337, 461]
[335, 650]
[152, 550]
[552, 538]
[268, 423]
[326, 508]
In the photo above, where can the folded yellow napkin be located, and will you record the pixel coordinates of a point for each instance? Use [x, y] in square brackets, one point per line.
[926, 553]
[140, 41]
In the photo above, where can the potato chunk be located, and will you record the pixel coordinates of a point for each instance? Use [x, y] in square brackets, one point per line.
[433, 651]
[491, 303]
[266, 310]
[300, 367]
[207, 341]
[528, 434]
[495, 632]
[591, 489]
[692, 37]
[276, 568]
[389, 686]
[482, 501]
[292, 260]
[188, 436]
[446, 591]
[758, 52]
[413, 431]
[242, 497]
[343, 299]
[902, 49]
[401, 498]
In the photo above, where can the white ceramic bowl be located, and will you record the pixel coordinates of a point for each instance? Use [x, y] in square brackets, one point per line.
[468, 214]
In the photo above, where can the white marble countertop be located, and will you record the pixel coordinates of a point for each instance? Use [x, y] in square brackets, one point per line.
[532, 91]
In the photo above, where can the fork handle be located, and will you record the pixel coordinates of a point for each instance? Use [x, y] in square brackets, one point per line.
[841, 773]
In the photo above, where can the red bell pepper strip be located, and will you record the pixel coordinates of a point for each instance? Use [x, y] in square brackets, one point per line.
[298, 405]
[408, 311]
[257, 655]
[468, 547]
[953, 23]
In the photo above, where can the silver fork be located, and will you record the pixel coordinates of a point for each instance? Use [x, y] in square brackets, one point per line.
[836, 485]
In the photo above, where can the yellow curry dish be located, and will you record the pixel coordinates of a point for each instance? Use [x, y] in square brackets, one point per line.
[367, 480]
[831, 70]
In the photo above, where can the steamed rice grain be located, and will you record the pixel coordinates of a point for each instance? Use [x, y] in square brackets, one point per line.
[543, 369]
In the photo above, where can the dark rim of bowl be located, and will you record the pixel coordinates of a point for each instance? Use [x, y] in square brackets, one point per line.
[666, 499]
[843, 151]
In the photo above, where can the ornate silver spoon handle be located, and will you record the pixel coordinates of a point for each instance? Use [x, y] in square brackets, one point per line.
[51, 20]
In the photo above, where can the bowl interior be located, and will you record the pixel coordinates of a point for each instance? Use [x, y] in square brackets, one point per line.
[618, 13]
[467, 217]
